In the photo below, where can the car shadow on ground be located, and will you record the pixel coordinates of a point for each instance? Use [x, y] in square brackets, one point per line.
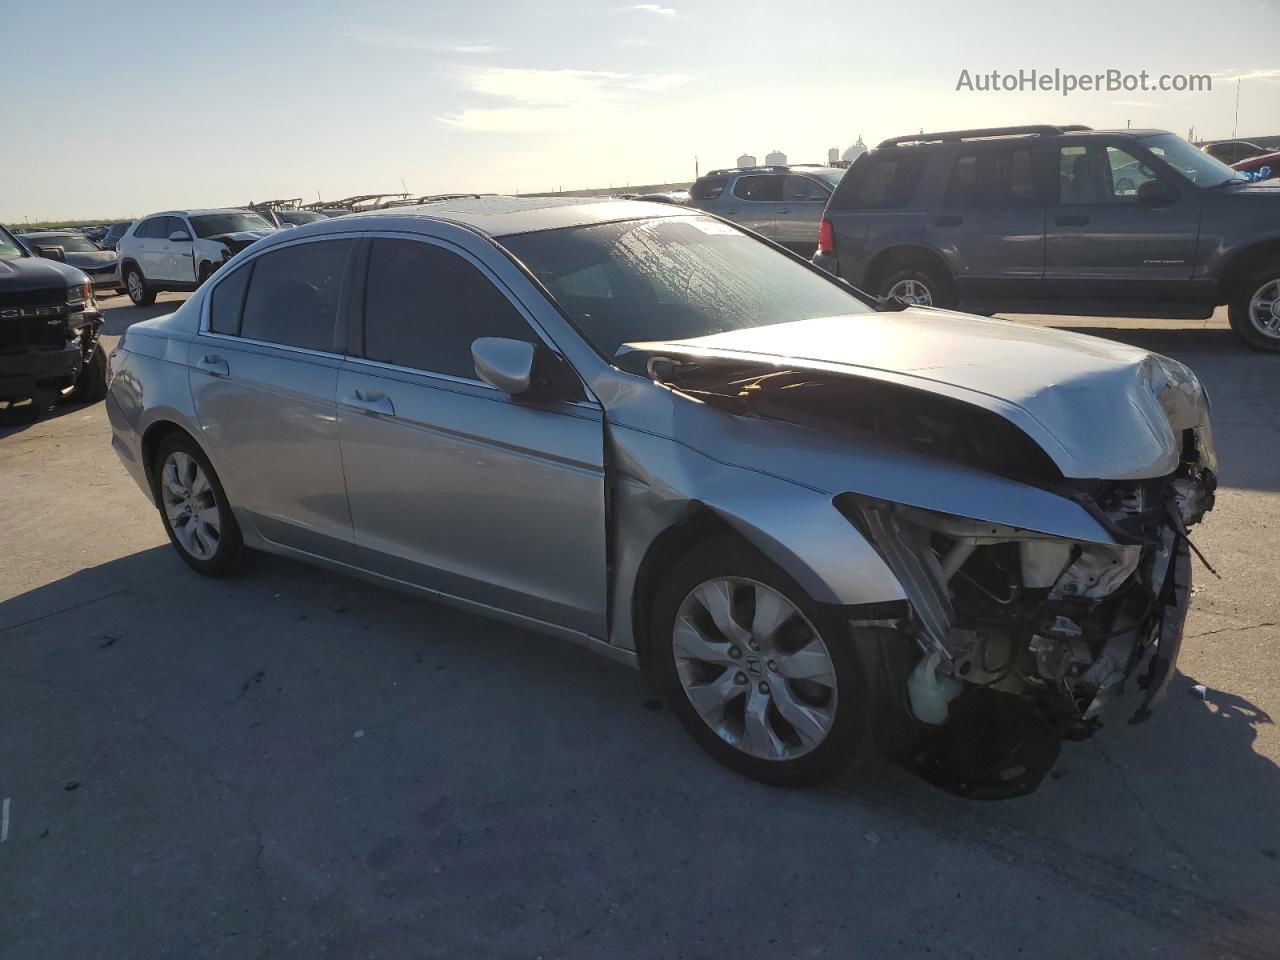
[482, 745]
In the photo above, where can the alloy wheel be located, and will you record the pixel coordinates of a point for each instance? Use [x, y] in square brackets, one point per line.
[190, 506]
[1264, 309]
[134, 282]
[754, 668]
[913, 292]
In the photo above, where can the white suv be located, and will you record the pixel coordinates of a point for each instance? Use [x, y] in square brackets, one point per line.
[180, 249]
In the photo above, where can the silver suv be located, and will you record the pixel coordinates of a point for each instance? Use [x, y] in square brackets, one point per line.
[782, 203]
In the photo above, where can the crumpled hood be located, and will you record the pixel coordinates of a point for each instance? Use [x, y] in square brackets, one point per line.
[1099, 409]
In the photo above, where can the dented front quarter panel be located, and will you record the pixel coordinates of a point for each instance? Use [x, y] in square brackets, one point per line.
[775, 484]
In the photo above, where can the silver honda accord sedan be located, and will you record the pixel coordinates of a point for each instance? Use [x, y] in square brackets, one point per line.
[819, 522]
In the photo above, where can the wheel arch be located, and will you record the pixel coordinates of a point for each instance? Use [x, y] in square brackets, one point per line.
[152, 439]
[903, 255]
[1244, 262]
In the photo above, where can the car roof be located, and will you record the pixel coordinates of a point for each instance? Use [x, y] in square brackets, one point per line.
[498, 216]
[195, 213]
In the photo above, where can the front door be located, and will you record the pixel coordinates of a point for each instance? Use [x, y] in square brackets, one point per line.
[989, 225]
[179, 254]
[455, 486]
[264, 379]
[1105, 241]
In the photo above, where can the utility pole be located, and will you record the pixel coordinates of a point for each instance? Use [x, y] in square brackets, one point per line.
[695, 167]
[1236, 122]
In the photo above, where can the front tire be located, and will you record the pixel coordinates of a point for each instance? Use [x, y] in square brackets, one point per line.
[1254, 309]
[194, 509]
[91, 384]
[764, 679]
[140, 292]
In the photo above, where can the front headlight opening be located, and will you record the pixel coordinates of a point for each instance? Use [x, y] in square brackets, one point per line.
[80, 292]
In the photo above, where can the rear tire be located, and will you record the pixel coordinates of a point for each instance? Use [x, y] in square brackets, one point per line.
[194, 509]
[140, 292]
[807, 667]
[1254, 309]
[919, 285]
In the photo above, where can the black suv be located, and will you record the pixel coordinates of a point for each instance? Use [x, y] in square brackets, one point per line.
[49, 326]
[1069, 220]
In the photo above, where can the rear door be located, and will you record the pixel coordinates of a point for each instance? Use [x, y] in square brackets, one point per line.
[755, 202]
[455, 486]
[147, 247]
[1103, 242]
[989, 223]
[264, 373]
[803, 200]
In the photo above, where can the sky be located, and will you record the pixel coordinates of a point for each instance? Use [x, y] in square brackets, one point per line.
[149, 106]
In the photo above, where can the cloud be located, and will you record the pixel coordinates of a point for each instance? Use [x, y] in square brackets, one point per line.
[1231, 76]
[540, 100]
[403, 41]
[652, 8]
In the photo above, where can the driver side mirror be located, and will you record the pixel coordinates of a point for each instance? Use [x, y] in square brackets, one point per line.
[503, 364]
[1156, 192]
[52, 253]
[525, 371]
[179, 236]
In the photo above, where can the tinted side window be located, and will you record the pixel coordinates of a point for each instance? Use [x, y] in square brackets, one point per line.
[150, 229]
[172, 225]
[758, 188]
[708, 188]
[882, 179]
[991, 178]
[425, 306]
[227, 300]
[805, 189]
[293, 295]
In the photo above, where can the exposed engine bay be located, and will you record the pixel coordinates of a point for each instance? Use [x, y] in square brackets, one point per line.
[1021, 638]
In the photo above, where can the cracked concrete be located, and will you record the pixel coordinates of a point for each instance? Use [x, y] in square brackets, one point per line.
[514, 797]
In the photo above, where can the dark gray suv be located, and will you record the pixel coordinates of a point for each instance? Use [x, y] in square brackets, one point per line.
[1069, 220]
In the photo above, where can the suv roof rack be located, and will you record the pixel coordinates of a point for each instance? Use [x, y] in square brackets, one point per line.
[725, 171]
[950, 136]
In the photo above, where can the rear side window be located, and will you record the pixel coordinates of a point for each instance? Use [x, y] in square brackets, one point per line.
[227, 300]
[708, 188]
[806, 190]
[425, 306]
[881, 180]
[759, 189]
[293, 295]
[993, 177]
[152, 229]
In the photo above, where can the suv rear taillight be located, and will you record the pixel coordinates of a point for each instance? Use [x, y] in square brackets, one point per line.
[826, 237]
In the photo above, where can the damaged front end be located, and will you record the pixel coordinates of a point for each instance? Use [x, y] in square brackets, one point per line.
[1026, 638]
[1021, 636]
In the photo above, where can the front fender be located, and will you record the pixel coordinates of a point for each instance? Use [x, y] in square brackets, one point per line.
[658, 482]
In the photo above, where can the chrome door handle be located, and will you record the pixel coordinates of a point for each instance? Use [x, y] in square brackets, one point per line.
[784, 211]
[214, 365]
[369, 401]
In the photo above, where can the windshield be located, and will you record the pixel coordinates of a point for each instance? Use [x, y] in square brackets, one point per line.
[212, 224]
[9, 249]
[673, 278]
[299, 217]
[68, 242]
[1196, 165]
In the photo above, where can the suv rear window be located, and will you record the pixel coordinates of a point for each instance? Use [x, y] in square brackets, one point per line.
[991, 177]
[881, 180]
[708, 188]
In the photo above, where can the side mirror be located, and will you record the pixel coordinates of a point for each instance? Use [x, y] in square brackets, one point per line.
[179, 236]
[1156, 192]
[505, 365]
[52, 253]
